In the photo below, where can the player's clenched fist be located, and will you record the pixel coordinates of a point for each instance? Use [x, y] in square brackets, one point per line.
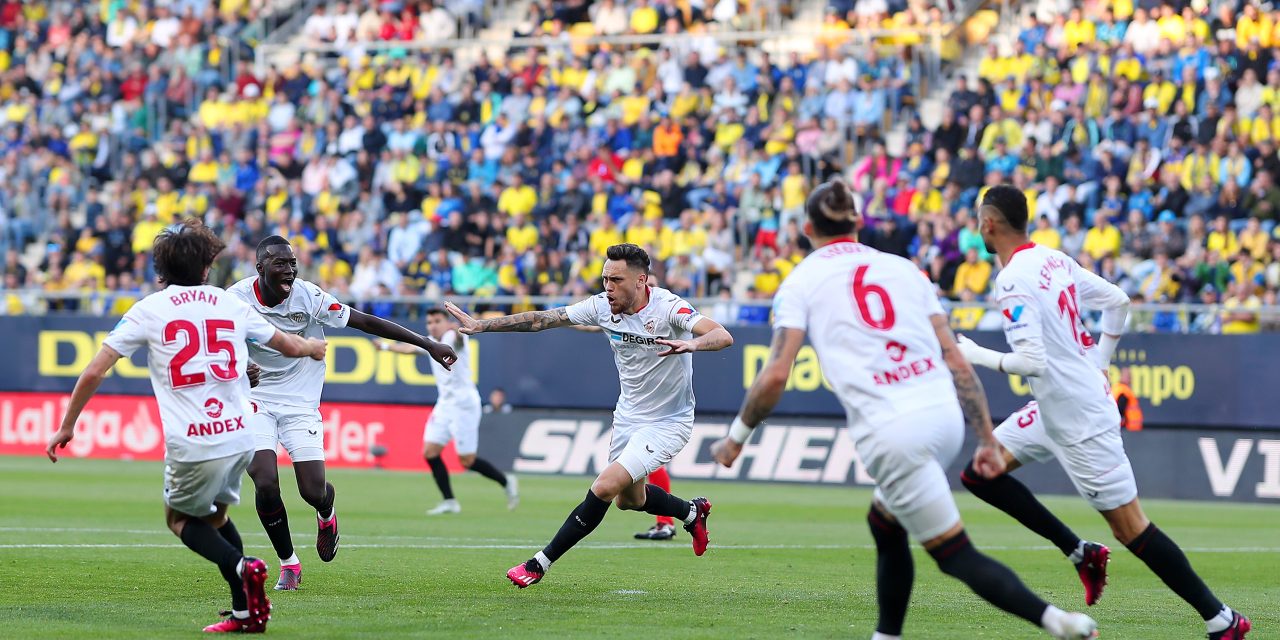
[726, 451]
[254, 372]
[318, 348]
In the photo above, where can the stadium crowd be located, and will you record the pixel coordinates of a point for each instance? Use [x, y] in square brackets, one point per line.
[1144, 134]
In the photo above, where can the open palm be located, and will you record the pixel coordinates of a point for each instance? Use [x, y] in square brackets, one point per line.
[468, 325]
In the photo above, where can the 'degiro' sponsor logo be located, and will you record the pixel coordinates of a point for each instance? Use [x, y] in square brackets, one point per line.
[822, 454]
[127, 429]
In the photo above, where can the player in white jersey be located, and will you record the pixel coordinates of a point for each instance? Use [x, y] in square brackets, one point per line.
[653, 334]
[195, 337]
[884, 344]
[1041, 292]
[287, 397]
[456, 415]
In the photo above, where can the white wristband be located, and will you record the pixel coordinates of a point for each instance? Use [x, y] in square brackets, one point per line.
[739, 431]
[382, 346]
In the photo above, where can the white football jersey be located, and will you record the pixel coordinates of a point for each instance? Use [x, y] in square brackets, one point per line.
[293, 382]
[456, 386]
[1040, 294]
[196, 351]
[654, 390]
[867, 314]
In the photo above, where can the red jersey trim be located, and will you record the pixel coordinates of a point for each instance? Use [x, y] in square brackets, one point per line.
[1029, 245]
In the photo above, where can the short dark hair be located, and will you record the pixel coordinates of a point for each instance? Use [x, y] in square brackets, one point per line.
[831, 209]
[267, 243]
[183, 253]
[438, 311]
[1010, 202]
[633, 255]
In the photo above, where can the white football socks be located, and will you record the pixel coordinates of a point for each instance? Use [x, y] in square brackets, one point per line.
[1052, 620]
[240, 615]
[543, 560]
[885, 636]
[693, 513]
[293, 559]
[1077, 556]
[1221, 621]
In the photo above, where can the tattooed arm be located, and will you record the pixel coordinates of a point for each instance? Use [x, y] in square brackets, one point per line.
[987, 460]
[528, 321]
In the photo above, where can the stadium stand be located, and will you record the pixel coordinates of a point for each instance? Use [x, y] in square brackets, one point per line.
[1143, 134]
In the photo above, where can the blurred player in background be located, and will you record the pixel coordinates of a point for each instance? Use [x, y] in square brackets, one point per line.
[665, 526]
[883, 341]
[456, 415]
[195, 337]
[287, 398]
[654, 334]
[1074, 419]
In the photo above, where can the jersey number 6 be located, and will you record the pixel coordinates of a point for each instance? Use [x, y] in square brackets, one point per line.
[212, 345]
[862, 291]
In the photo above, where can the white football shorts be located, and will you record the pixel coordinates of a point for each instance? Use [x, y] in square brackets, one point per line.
[460, 423]
[909, 459]
[194, 488]
[1097, 466]
[299, 429]
[641, 450]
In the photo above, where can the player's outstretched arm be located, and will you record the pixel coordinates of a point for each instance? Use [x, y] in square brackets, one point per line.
[294, 346]
[763, 395]
[375, 326]
[86, 386]
[709, 335]
[987, 460]
[527, 321]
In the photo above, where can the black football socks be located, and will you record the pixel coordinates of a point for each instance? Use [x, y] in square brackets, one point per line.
[441, 475]
[1009, 495]
[486, 469]
[895, 571]
[202, 538]
[581, 522]
[275, 520]
[1168, 562]
[991, 580]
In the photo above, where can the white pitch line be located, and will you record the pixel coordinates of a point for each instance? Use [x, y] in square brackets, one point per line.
[608, 547]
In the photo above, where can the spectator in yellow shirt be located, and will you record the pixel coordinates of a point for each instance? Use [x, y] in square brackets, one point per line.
[146, 230]
[973, 275]
[519, 198]
[1078, 31]
[641, 235]
[605, 236]
[331, 269]
[84, 273]
[1240, 310]
[1222, 239]
[1104, 238]
[522, 236]
[1045, 235]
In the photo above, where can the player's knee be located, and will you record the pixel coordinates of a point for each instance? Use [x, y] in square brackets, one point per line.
[467, 461]
[266, 485]
[628, 502]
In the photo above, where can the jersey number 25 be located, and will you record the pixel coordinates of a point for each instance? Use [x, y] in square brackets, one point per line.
[211, 345]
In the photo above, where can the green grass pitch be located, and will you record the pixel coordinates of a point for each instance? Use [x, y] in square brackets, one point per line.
[84, 553]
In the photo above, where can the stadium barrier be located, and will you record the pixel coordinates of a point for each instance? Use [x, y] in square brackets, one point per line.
[1186, 381]
[1178, 464]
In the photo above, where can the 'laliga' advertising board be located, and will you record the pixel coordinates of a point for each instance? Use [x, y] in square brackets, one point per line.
[1180, 380]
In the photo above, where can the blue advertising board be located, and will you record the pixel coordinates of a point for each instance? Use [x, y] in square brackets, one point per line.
[1180, 380]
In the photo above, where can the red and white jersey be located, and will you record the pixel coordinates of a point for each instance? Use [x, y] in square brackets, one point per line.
[867, 314]
[653, 389]
[292, 382]
[196, 350]
[1041, 293]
